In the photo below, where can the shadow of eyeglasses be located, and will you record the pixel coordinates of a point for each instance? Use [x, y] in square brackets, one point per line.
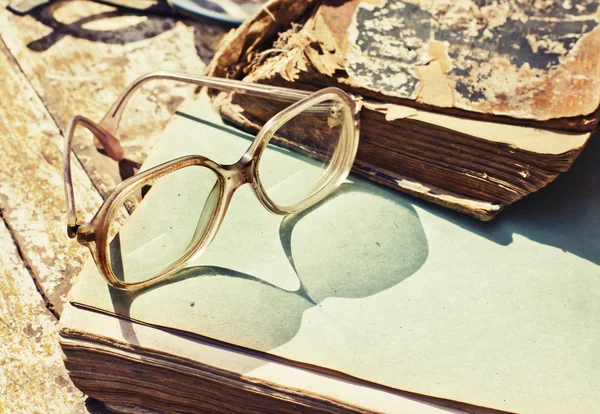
[152, 26]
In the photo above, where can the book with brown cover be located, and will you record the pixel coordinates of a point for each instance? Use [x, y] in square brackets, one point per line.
[472, 105]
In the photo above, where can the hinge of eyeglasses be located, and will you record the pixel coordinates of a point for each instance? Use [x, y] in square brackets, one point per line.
[72, 231]
[335, 116]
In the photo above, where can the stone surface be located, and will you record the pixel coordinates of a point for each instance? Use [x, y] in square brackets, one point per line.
[32, 376]
[68, 58]
[79, 56]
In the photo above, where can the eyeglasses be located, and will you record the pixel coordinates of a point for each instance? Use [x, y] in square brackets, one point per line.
[299, 156]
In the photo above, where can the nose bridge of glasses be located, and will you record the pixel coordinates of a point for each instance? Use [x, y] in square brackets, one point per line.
[239, 173]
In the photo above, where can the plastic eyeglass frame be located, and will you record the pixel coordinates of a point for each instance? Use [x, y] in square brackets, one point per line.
[94, 234]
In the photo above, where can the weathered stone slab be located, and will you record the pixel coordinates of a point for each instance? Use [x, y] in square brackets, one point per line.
[33, 378]
[79, 56]
[31, 186]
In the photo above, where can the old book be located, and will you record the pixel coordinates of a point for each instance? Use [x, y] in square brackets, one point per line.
[367, 303]
[472, 105]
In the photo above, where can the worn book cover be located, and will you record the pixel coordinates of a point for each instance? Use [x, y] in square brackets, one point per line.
[525, 62]
[441, 82]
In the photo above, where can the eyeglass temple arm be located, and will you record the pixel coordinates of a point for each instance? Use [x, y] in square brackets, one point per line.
[111, 120]
[115, 152]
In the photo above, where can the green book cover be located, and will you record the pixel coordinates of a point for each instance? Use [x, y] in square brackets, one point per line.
[376, 285]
